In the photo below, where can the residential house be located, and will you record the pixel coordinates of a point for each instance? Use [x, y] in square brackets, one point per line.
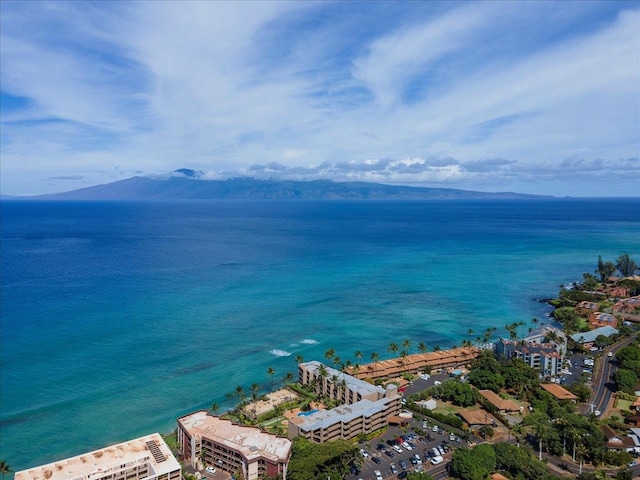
[599, 319]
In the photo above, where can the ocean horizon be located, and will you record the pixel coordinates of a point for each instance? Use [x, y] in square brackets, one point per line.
[118, 317]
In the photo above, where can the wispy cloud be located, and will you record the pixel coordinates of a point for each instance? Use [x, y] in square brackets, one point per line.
[470, 95]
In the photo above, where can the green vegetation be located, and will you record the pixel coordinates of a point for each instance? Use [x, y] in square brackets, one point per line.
[626, 377]
[473, 463]
[317, 461]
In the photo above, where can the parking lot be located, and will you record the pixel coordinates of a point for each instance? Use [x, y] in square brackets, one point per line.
[383, 454]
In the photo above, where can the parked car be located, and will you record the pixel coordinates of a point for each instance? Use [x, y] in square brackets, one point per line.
[210, 470]
[393, 468]
[378, 475]
[376, 460]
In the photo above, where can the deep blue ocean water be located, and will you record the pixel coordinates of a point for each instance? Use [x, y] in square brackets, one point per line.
[118, 317]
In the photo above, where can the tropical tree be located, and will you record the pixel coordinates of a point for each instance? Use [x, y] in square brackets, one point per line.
[393, 348]
[4, 468]
[330, 353]
[358, 355]
[406, 344]
[374, 358]
[625, 265]
[299, 359]
[270, 372]
[288, 378]
[422, 347]
[214, 407]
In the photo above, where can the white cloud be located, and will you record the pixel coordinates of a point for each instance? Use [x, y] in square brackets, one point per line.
[222, 87]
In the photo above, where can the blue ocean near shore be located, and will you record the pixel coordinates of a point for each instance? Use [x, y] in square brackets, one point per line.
[117, 317]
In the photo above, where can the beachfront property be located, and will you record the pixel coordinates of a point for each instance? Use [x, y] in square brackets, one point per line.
[416, 363]
[365, 408]
[144, 458]
[543, 357]
[208, 440]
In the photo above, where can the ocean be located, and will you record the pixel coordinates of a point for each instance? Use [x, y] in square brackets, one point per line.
[118, 317]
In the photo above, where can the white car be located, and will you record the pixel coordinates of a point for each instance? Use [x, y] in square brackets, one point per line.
[397, 449]
[210, 470]
[378, 475]
[610, 354]
[364, 453]
[407, 446]
[425, 376]
[437, 460]
[435, 428]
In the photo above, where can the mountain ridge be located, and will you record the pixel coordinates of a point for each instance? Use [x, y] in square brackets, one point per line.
[191, 187]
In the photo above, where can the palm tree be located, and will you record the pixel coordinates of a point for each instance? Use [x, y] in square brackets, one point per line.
[582, 451]
[406, 343]
[240, 393]
[4, 468]
[422, 347]
[299, 359]
[288, 378]
[330, 353]
[437, 348]
[214, 407]
[270, 373]
[374, 358]
[393, 347]
[541, 430]
[358, 355]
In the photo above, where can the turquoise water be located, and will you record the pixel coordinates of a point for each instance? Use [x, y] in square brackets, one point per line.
[306, 414]
[118, 317]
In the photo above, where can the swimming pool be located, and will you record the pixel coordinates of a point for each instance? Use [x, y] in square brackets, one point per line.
[306, 414]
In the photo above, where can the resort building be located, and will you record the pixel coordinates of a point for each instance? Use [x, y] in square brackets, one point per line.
[543, 357]
[337, 385]
[213, 441]
[416, 363]
[366, 408]
[145, 458]
[546, 334]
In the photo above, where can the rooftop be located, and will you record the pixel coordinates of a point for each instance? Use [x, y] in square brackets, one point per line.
[149, 449]
[500, 403]
[476, 417]
[588, 337]
[250, 441]
[558, 392]
[352, 383]
[343, 413]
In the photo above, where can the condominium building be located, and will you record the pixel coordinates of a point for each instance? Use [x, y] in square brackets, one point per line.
[366, 407]
[206, 439]
[145, 458]
[543, 357]
[347, 421]
[336, 384]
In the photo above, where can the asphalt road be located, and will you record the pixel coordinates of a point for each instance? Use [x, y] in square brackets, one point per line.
[603, 386]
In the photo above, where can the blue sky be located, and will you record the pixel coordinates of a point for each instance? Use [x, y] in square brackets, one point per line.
[535, 97]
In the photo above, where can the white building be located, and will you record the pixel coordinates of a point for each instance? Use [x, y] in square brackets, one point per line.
[145, 458]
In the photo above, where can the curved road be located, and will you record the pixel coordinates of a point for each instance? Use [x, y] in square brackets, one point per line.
[604, 387]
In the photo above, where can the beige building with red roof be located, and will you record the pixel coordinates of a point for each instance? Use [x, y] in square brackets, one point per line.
[416, 362]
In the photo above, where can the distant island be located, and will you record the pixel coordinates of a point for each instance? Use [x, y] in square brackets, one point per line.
[186, 184]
